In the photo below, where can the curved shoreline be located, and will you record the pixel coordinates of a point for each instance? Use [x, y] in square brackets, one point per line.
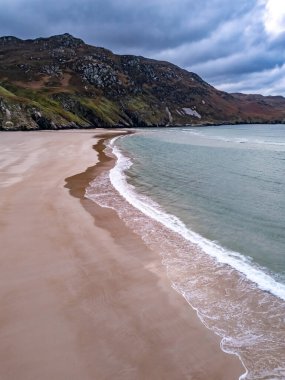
[105, 164]
[82, 296]
[245, 334]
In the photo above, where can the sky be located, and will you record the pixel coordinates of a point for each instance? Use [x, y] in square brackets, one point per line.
[235, 45]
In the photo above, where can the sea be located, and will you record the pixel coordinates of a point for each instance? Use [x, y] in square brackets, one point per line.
[211, 201]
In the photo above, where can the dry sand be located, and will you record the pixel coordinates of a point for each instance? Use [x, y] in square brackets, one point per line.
[81, 296]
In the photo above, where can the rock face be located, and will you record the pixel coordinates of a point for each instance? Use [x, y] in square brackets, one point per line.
[61, 82]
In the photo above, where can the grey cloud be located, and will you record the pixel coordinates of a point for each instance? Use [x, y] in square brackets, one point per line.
[148, 24]
[267, 82]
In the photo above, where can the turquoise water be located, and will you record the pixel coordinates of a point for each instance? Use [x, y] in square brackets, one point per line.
[211, 202]
[226, 183]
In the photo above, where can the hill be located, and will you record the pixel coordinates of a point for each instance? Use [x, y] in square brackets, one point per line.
[61, 82]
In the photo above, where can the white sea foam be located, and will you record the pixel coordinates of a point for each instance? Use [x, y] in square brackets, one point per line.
[249, 321]
[150, 208]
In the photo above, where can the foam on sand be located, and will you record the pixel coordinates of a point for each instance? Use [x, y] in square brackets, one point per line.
[240, 302]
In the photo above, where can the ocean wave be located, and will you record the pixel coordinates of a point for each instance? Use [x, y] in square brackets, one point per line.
[249, 321]
[235, 140]
[153, 210]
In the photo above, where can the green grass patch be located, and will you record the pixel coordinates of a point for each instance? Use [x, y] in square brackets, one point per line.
[146, 109]
[5, 92]
[38, 99]
[105, 109]
[138, 104]
[52, 108]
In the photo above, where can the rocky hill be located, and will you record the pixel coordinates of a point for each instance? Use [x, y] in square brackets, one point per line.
[61, 82]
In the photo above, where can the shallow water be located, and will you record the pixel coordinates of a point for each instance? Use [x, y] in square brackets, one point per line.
[211, 200]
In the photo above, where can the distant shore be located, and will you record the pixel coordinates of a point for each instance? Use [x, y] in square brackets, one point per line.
[82, 297]
[120, 127]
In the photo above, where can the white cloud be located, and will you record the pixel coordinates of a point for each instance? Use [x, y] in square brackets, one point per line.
[266, 82]
[274, 17]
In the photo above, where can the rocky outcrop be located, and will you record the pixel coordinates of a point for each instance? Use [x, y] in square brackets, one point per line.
[16, 115]
[96, 73]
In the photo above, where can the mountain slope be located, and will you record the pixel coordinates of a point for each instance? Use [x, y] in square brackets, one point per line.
[58, 82]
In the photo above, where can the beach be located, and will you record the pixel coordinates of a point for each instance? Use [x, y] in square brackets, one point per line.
[82, 296]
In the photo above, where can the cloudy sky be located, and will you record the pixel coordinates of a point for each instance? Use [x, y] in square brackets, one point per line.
[238, 46]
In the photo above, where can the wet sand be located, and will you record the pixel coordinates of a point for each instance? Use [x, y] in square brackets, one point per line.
[81, 296]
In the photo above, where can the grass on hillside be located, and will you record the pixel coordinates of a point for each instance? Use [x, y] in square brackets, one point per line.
[5, 92]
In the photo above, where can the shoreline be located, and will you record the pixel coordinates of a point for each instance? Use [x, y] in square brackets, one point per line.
[226, 301]
[84, 297]
[105, 163]
[154, 126]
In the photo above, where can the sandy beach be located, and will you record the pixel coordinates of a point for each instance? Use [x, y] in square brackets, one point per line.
[81, 296]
